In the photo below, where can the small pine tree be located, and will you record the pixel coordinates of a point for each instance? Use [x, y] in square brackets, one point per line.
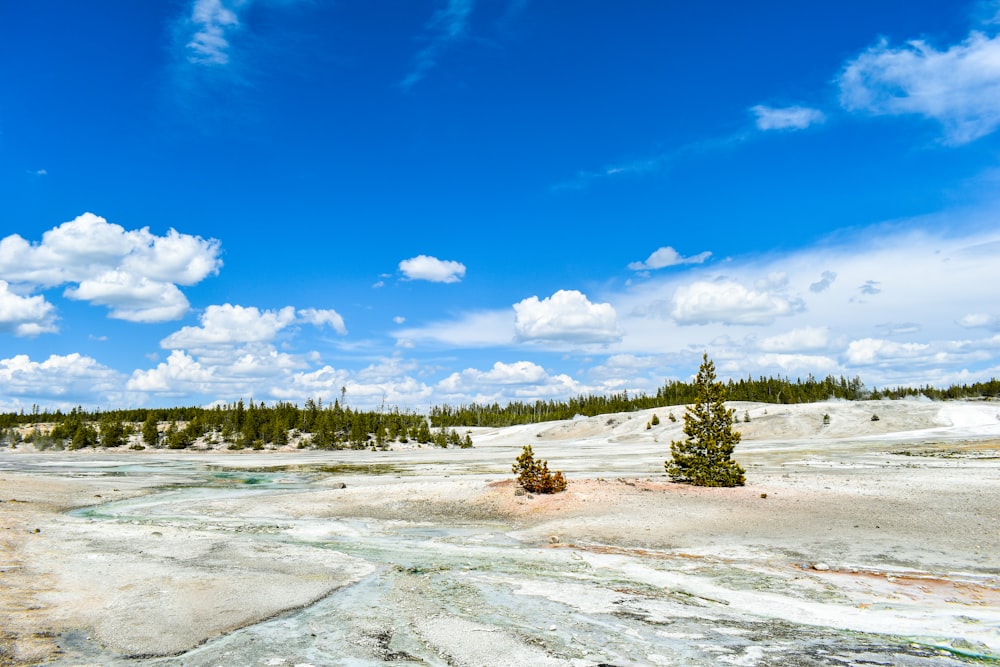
[655, 421]
[704, 458]
[150, 433]
[534, 476]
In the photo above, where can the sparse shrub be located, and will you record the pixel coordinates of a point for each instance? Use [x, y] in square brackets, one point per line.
[826, 420]
[874, 418]
[534, 476]
[671, 417]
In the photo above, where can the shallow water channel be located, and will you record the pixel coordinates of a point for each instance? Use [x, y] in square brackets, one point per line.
[475, 593]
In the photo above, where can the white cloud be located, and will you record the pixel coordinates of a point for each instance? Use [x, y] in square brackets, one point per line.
[231, 354]
[177, 258]
[784, 364]
[384, 383]
[133, 272]
[225, 373]
[320, 318]
[228, 325]
[212, 23]
[60, 381]
[25, 315]
[786, 118]
[979, 320]
[867, 351]
[729, 302]
[423, 267]
[566, 317]
[521, 380]
[519, 372]
[179, 374]
[796, 340]
[473, 329]
[959, 87]
[132, 298]
[667, 256]
[448, 25]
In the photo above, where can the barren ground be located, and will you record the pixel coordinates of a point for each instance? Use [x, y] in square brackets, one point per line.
[874, 542]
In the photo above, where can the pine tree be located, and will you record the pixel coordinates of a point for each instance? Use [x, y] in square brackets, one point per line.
[703, 459]
[150, 434]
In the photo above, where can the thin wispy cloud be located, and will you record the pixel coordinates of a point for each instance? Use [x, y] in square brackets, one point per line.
[824, 282]
[653, 164]
[447, 26]
[212, 24]
[667, 256]
[958, 86]
[786, 118]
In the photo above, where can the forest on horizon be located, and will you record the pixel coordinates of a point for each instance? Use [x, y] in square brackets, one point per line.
[338, 426]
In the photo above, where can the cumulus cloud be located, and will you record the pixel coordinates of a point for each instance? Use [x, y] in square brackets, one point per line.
[387, 382]
[228, 325]
[133, 272]
[796, 340]
[59, 381]
[521, 380]
[132, 298]
[432, 269]
[567, 316]
[867, 351]
[959, 87]
[786, 118]
[321, 318]
[25, 315]
[231, 353]
[729, 302]
[784, 364]
[180, 373]
[667, 256]
[226, 372]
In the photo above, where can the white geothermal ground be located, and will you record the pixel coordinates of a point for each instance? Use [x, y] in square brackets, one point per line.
[854, 542]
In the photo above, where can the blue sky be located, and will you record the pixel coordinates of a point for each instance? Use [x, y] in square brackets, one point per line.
[447, 201]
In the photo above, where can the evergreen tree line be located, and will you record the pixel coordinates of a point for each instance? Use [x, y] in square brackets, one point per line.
[336, 426]
[761, 390]
[240, 425]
